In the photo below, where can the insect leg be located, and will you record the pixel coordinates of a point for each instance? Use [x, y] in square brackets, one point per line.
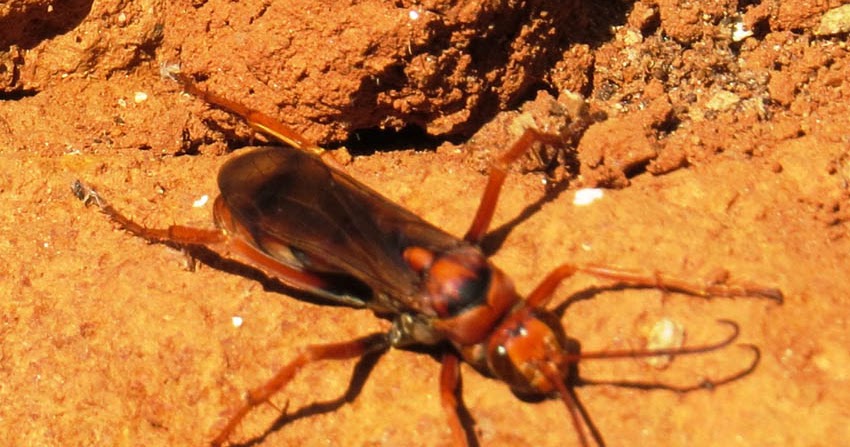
[256, 119]
[313, 353]
[449, 374]
[541, 295]
[215, 239]
[498, 172]
[175, 234]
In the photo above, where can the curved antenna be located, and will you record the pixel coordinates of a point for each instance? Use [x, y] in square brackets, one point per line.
[706, 384]
[579, 415]
[640, 353]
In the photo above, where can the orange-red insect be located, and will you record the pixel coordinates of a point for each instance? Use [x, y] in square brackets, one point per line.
[309, 225]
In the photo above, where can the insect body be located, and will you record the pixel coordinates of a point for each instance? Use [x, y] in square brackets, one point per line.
[304, 222]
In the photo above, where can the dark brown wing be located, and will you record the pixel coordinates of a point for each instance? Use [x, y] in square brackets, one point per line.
[317, 219]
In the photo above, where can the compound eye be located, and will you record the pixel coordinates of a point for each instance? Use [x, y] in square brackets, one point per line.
[502, 366]
[521, 345]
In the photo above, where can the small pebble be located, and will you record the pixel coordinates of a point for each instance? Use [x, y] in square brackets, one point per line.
[834, 21]
[586, 196]
[201, 201]
[665, 334]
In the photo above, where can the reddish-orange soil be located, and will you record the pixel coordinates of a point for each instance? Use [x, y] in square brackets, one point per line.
[719, 131]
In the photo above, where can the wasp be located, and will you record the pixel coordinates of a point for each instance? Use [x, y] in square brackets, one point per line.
[294, 215]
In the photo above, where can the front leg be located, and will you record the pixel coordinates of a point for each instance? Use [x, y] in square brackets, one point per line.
[633, 278]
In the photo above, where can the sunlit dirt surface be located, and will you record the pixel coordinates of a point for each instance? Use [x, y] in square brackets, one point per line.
[718, 155]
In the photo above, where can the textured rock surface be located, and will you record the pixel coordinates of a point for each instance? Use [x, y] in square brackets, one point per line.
[729, 154]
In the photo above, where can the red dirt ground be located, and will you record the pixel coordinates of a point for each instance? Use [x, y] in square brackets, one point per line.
[720, 152]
